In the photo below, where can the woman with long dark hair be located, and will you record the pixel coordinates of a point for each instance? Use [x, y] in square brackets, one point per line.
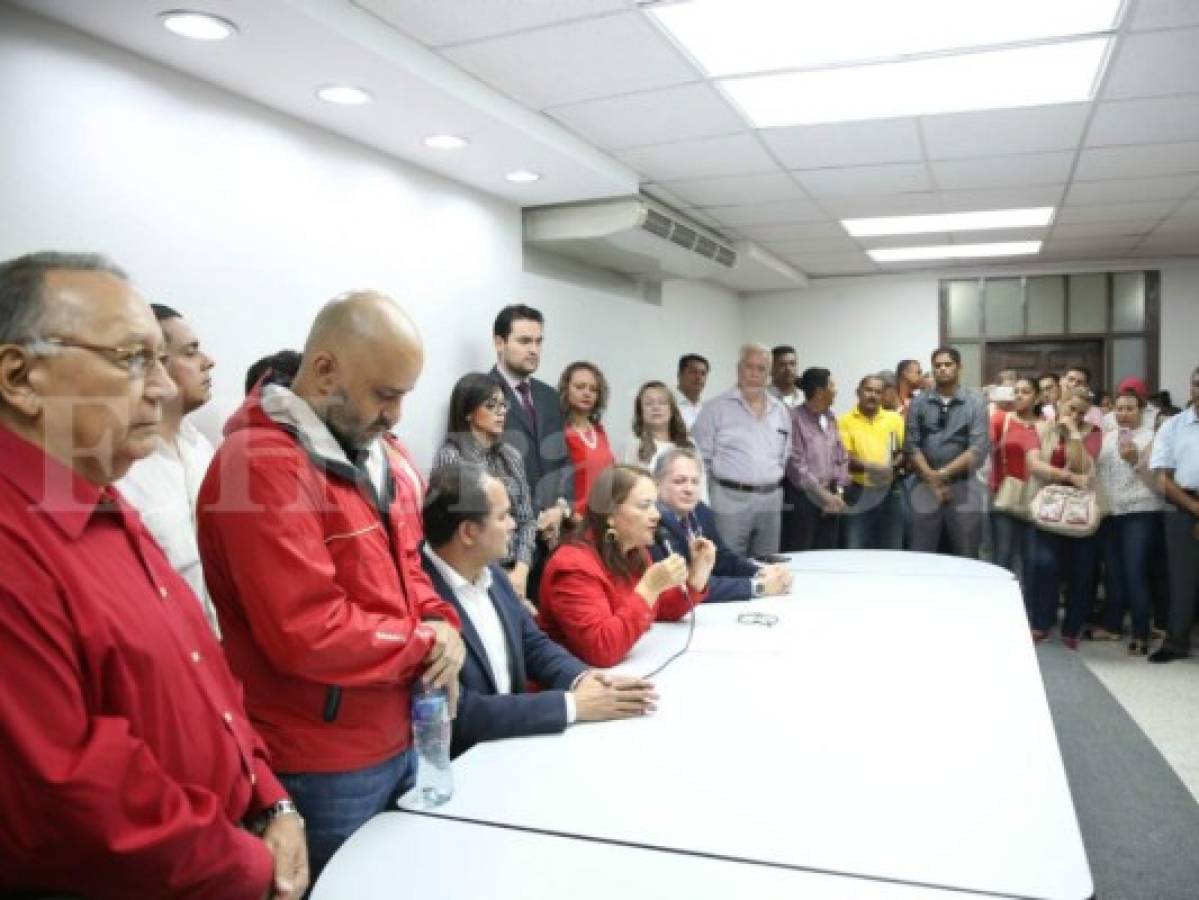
[601, 591]
[583, 393]
[475, 434]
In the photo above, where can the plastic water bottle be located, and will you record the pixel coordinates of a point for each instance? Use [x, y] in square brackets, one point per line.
[431, 737]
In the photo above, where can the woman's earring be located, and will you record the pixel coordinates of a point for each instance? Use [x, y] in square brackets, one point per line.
[610, 534]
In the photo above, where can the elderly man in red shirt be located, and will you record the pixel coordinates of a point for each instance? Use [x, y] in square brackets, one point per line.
[309, 533]
[130, 768]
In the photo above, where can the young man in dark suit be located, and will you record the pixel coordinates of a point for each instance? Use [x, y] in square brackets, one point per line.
[534, 426]
[468, 522]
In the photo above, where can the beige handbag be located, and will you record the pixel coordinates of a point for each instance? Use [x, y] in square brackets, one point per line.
[1014, 495]
[1064, 509]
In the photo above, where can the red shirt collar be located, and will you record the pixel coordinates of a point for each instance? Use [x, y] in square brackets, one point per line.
[55, 490]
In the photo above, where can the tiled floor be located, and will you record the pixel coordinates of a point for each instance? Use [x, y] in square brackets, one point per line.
[1162, 699]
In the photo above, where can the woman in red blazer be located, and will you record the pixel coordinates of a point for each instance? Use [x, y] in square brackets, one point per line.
[601, 591]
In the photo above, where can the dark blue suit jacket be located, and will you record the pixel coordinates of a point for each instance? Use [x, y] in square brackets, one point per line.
[484, 715]
[731, 575]
[541, 444]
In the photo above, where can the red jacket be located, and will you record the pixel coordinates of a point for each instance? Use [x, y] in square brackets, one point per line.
[596, 615]
[315, 589]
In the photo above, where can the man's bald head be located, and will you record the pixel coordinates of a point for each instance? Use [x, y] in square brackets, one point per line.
[362, 356]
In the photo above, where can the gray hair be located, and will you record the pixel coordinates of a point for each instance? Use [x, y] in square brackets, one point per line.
[22, 289]
[753, 349]
[673, 455]
[886, 376]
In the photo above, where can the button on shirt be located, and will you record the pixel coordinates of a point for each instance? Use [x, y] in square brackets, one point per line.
[128, 760]
[944, 428]
[737, 445]
[475, 598]
[1177, 447]
[163, 488]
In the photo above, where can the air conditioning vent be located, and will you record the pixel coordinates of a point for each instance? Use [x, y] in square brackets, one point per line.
[643, 238]
[656, 223]
[683, 236]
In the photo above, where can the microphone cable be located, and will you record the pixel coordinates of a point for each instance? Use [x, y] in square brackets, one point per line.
[665, 542]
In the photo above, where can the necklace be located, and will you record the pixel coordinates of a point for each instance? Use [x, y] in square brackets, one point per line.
[591, 440]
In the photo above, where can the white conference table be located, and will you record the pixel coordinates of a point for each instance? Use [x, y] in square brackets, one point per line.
[887, 735]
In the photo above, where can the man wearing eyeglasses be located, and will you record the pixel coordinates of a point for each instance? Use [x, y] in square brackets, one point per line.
[130, 767]
[163, 487]
[1175, 459]
[945, 443]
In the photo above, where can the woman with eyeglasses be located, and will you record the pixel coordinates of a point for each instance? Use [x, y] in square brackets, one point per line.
[601, 590]
[583, 393]
[657, 426]
[475, 434]
[685, 517]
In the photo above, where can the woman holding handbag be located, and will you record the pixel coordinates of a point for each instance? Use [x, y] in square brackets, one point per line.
[1064, 547]
[1013, 434]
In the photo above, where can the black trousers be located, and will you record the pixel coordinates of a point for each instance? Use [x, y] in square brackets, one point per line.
[814, 529]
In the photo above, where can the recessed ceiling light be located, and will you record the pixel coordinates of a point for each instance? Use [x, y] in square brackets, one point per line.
[445, 142]
[522, 176]
[1038, 217]
[995, 79]
[196, 25]
[344, 95]
[730, 37]
[954, 251]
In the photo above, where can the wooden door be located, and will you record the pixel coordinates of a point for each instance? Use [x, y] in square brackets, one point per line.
[1034, 358]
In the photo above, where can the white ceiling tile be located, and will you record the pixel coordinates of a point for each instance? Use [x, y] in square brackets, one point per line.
[1078, 230]
[1005, 131]
[858, 180]
[1190, 209]
[815, 247]
[1001, 198]
[1165, 14]
[835, 264]
[1114, 212]
[915, 203]
[468, 20]
[1153, 64]
[1168, 245]
[1081, 248]
[845, 144]
[1155, 120]
[794, 232]
[661, 193]
[1137, 161]
[777, 213]
[736, 154]
[1004, 171]
[1132, 190]
[1178, 229]
[578, 61]
[653, 117]
[735, 191]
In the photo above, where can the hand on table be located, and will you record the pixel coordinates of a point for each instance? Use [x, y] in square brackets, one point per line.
[600, 697]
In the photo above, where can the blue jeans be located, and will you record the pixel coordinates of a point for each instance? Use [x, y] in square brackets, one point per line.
[336, 804]
[1010, 539]
[874, 520]
[1055, 559]
[1128, 540]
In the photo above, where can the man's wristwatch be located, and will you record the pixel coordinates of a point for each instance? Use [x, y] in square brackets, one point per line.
[274, 811]
[758, 586]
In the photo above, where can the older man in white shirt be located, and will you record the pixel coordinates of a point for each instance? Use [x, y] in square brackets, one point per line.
[164, 485]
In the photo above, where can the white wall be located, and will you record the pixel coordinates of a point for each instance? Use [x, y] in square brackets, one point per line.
[858, 325]
[247, 221]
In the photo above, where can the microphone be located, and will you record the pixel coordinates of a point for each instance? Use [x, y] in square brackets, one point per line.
[662, 536]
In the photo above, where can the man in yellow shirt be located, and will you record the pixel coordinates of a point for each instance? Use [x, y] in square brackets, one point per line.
[873, 438]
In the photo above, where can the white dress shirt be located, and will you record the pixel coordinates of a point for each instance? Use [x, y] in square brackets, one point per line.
[689, 410]
[475, 600]
[163, 488]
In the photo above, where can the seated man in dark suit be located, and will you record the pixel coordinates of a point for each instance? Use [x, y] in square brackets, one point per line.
[468, 523]
[685, 516]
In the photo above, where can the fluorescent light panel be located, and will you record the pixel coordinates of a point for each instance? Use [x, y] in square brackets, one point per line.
[344, 95]
[197, 25]
[1038, 217]
[954, 251]
[729, 37]
[995, 79]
